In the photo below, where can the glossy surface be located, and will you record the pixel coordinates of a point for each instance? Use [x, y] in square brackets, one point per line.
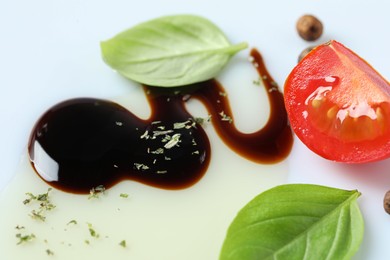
[339, 106]
[83, 143]
[80, 144]
[51, 53]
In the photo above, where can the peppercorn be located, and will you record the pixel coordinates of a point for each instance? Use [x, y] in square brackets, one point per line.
[305, 52]
[309, 27]
[386, 202]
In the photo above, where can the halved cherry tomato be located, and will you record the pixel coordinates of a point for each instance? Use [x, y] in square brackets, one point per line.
[339, 106]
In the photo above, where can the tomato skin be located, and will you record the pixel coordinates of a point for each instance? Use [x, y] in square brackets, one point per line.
[339, 106]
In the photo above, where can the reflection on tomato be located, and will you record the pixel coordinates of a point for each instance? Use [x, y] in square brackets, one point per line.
[339, 106]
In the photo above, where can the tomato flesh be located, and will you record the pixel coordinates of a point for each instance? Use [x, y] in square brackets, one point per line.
[339, 106]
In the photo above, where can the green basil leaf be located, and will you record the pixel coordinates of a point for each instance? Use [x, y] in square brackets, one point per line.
[296, 221]
[170, 51]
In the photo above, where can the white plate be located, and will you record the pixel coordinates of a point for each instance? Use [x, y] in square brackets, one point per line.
[50, 52]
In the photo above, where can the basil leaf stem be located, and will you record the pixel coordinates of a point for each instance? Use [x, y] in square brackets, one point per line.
[170, 51]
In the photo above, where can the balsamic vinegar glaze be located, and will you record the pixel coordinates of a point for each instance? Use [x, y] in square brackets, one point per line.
[83, 143]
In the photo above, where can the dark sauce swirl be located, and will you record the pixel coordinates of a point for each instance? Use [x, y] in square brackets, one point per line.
[83, 143]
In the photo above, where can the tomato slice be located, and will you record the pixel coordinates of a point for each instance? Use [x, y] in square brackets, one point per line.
[339, 106]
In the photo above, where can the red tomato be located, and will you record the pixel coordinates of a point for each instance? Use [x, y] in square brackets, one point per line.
[339, 106]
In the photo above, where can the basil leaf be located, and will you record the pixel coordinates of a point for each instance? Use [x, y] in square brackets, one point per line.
[170, 51]
[296, 221]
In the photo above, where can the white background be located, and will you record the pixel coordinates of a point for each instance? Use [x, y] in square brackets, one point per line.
[49, 51]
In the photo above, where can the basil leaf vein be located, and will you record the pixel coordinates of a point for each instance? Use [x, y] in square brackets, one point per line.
[296, 221]
[170, 51]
